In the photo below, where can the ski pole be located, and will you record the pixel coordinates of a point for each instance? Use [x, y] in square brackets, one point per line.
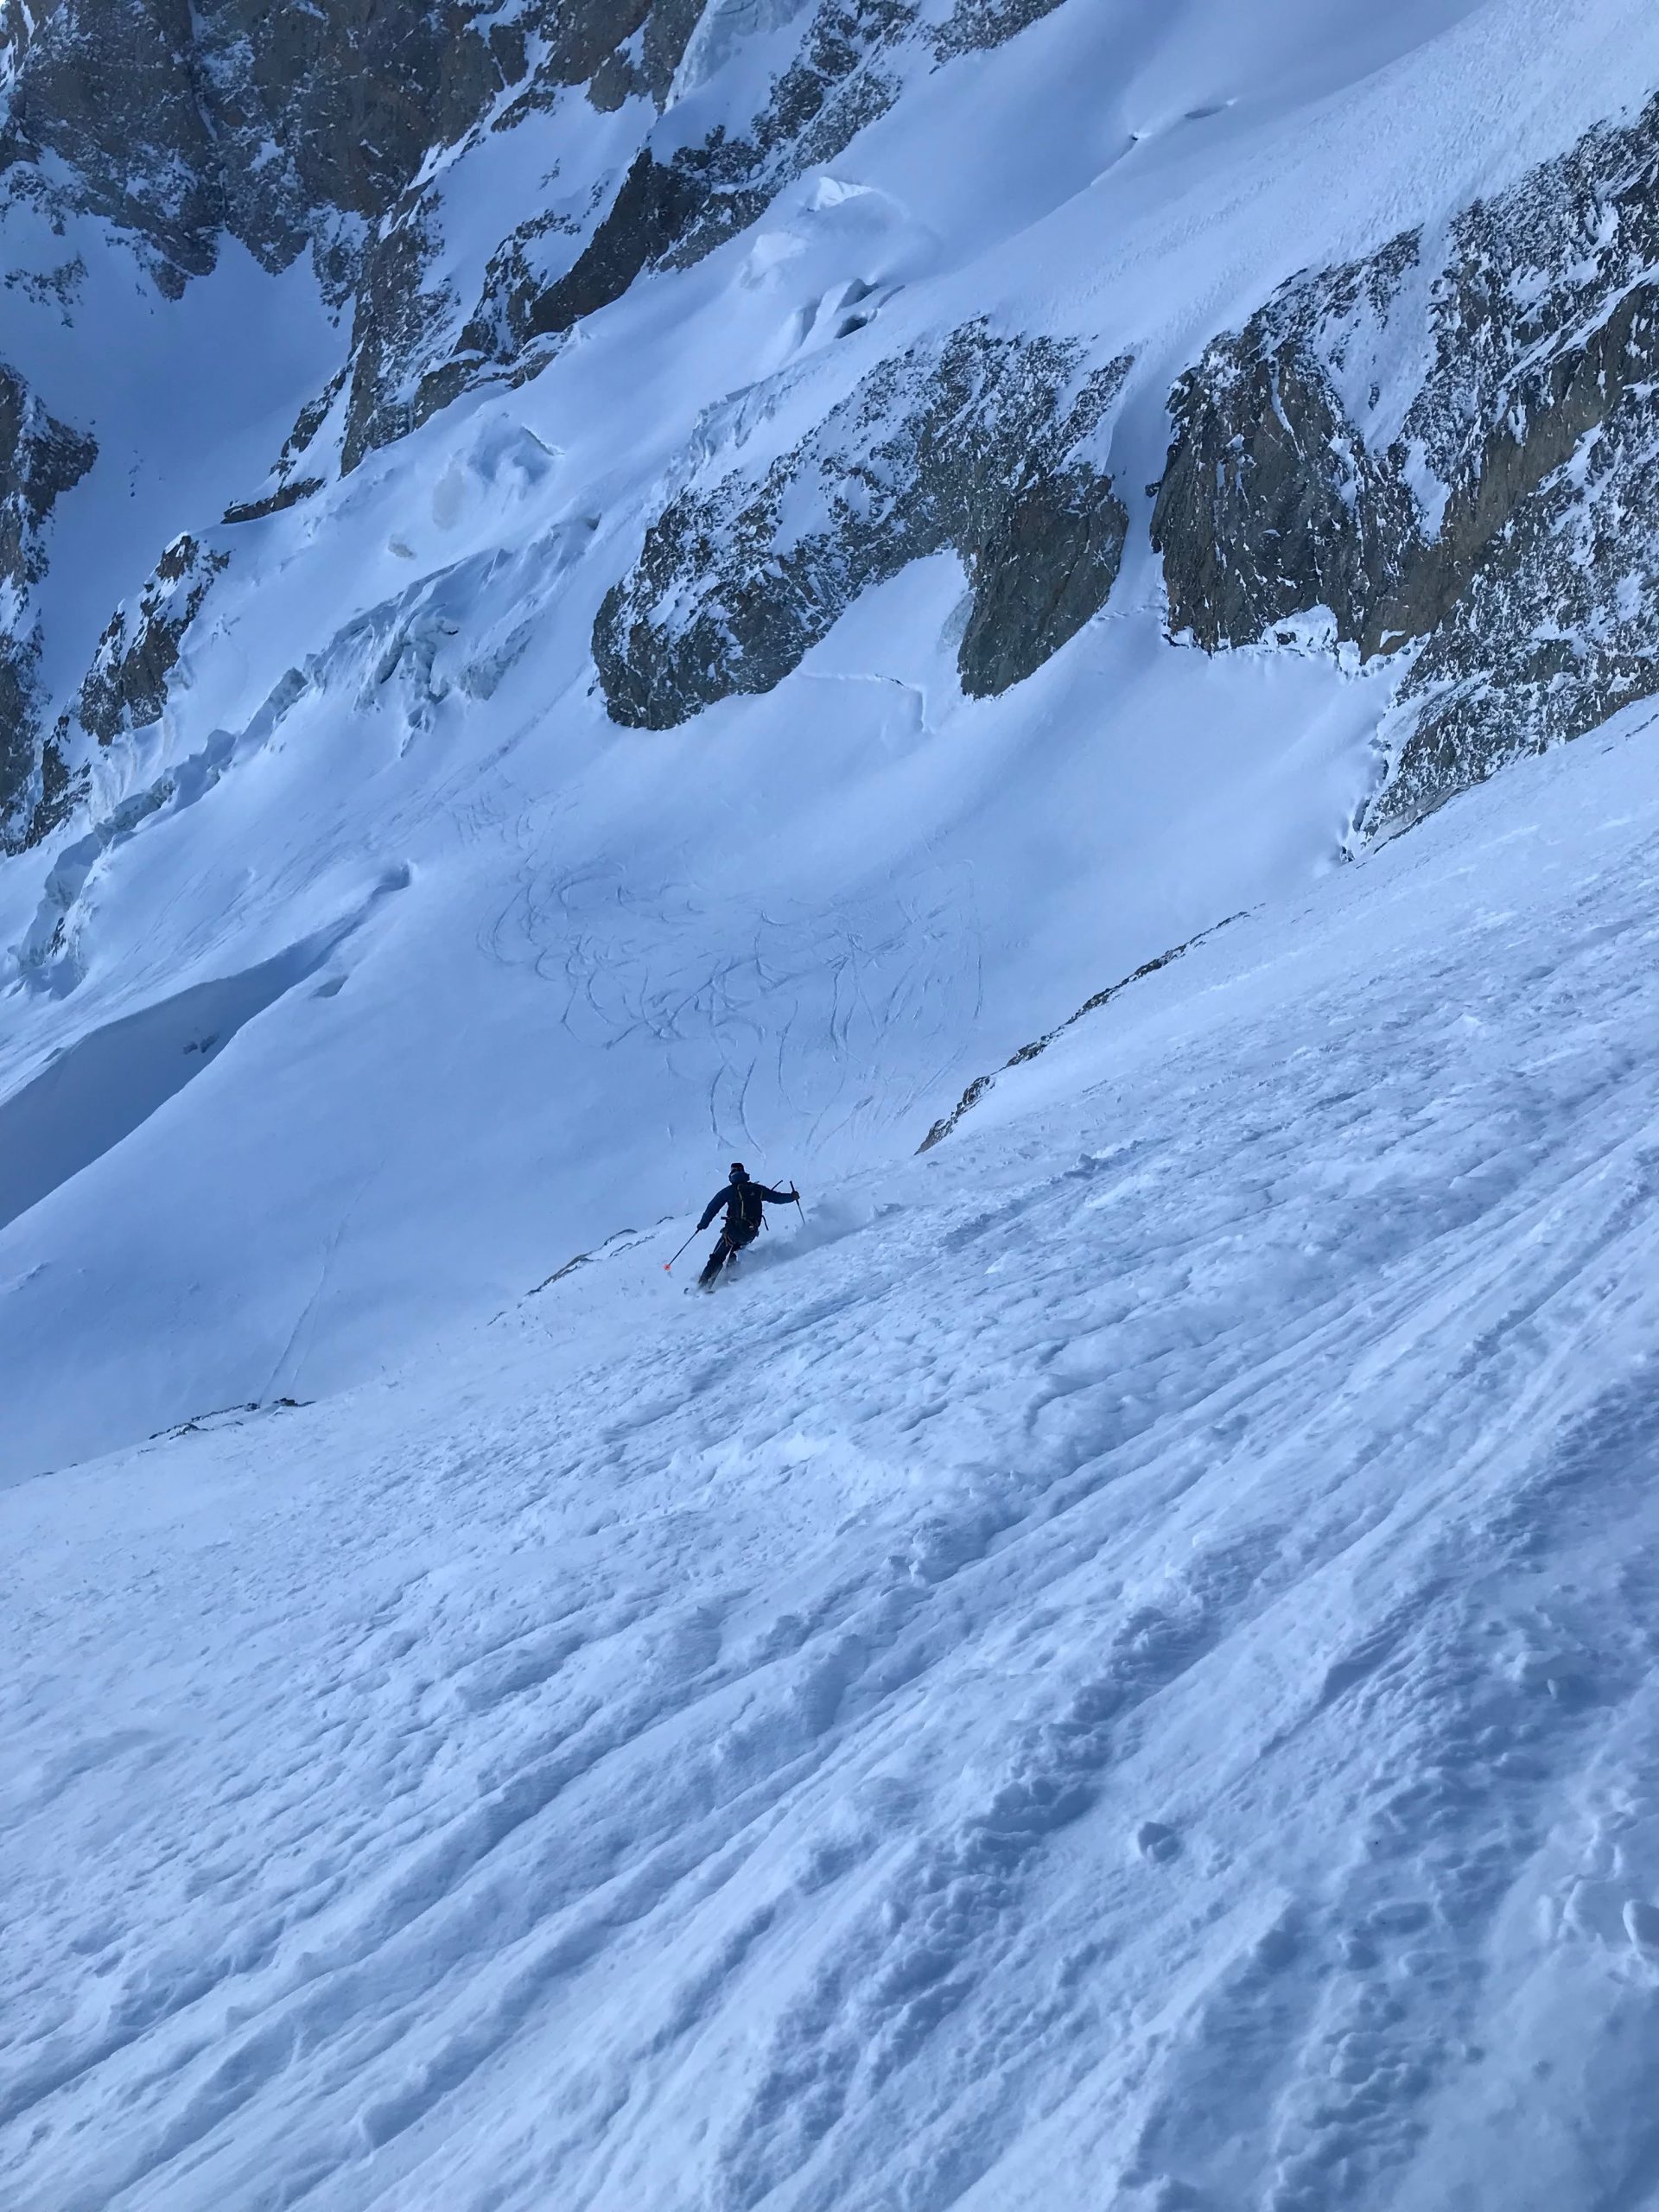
[668, 1265]
[800, 1208]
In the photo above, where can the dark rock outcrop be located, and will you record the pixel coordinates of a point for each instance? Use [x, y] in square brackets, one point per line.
[125, 688]
[1484, 509]
[1449, 446]
[317, 129]
[182, 123]
[975, 26]
[1271, 502]
[551, 272]
[981, 1084]
[981, 444]
[40, 459]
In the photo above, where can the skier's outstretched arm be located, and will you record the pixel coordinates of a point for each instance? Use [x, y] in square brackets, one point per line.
[778, 1198]
[719, 1199]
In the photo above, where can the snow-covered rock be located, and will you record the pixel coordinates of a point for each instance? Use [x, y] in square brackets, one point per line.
[40, 458]
[1450, 447]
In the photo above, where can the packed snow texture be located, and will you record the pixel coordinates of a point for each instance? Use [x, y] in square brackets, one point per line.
[1114, 1666]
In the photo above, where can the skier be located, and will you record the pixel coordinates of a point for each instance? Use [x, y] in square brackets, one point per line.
[743, 1201]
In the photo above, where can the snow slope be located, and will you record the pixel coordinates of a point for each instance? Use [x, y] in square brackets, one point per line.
[542, 976]
[1115, 1665]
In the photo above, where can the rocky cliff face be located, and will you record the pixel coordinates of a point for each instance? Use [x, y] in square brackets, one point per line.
[126, 686]
[295, 131]
[1451, 449]
[39, 458]
[283, 128]
[664, 212]
[289, 132]
[983, 446]
[1446, 447]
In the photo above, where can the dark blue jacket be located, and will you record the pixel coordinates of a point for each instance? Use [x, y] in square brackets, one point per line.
[743, 1202]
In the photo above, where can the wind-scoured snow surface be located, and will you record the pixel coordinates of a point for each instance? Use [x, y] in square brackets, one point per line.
[1113, 1666]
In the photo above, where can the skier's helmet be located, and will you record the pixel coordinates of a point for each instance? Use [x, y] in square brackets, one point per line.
[740, 1172]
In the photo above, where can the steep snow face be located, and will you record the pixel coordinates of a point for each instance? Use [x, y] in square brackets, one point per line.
[653, 573]
[1115, 1665]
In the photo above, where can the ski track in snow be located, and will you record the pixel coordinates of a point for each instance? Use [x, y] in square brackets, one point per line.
[811, 992]
[1117, 1667]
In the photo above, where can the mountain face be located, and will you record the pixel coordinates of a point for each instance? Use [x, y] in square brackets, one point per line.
[1421, 442]
[801, 542]
[1478, 515]
[944, 598]
[979, 447]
